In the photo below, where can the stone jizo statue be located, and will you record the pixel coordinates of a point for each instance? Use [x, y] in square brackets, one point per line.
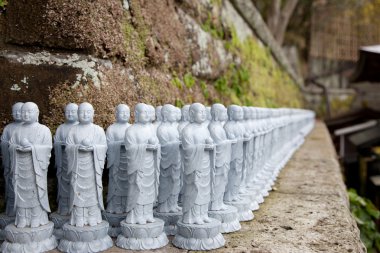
[236, 132]
[6, 159]
[219, 174]
[30, 149]
[158, 120]
[63, 197]
[71, 119]
[117, 165]
[170, 170]
[86, 148]
[184, 118]
[140, 230]
[117, 161]
[194, 229]
[170, 162]
[141, 149]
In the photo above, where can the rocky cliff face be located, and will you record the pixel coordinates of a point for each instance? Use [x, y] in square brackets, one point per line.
[111, 51]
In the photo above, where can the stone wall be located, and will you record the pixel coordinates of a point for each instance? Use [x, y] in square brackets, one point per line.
[112, 51]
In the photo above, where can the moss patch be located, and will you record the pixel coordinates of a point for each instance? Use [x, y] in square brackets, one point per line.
[257, 79]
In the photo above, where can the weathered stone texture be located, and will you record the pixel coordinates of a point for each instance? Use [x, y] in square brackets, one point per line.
[29, 82]
[93, 27]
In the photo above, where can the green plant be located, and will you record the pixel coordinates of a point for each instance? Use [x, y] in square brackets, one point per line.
[209, 26]
[366, 215]
[221, 84]
[179, 103]
[204, 89]
[189, 80]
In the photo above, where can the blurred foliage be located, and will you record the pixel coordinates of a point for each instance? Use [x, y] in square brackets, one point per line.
[212, 27]
[3, 4]
[366, 215]
[189, 80]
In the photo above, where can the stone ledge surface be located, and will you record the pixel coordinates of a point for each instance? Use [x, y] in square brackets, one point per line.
[307, 212]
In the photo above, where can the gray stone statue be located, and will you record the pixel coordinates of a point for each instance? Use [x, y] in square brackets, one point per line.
[86, 148]
[29, 148]
[158, 120]
[140, 230]
[219, 175]
[184, 118]
[196, 230]
[170, 170]
[179, 116]
[63, 213]
[9, 215]
[246, 189]
[118, 175]
[235, 131]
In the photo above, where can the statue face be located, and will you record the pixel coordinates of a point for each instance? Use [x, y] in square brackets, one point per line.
[144, 115]
[29, 114]
[122, 115]
[223, 116]
[152, 114]
[237, 114]
[86, 114]
[172, 115]
[71, 114]
[178, 114]
[16, 114]
[199, 115]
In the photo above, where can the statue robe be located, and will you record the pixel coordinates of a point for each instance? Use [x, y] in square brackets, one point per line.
[251, 154]
[86, 168]
[6, 162]
[117, 165]
[63, 176]
[235, 131]
[248, 156]
[30, 170]
[143, 166]
[197, 163]
[181, 126]
[170, 168]
[219, 174]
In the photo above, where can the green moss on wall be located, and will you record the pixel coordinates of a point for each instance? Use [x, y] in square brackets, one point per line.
[135, 32]
[258, 80]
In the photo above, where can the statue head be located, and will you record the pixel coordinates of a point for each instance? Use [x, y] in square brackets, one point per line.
[151, 112]
[143, 113]
[185, 113]
[29, 112]
[169, 113]
[208, 113]
[218, 112]
[178, 113]
[246, 112]
[122, 113]
[159, 113]
[197, 113]
[235, 112]
[71, 113]
[253, 112]
[16, 111]
[85, 113]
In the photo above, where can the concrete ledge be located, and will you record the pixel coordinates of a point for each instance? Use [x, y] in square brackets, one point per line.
[307, 212]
